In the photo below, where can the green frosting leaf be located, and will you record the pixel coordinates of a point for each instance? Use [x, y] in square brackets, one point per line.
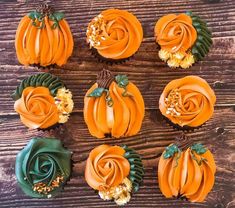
[58, 15]
[44, 79]
[35, 15]
[137, 169]
[204, 37]
[170, 151]
[97, 92]
[122, 80]
[42, 161]
[198, 148]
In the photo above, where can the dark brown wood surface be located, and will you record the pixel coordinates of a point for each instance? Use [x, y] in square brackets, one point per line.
[150, 75]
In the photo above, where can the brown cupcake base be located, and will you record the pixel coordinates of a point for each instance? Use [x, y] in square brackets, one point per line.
[56, 126]
[109, 61]
[44, 68]
[180, 128]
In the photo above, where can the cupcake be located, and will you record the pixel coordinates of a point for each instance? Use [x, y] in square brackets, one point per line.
[187, 103]
[114, 35]
[43, 38]
[184, 39]
[43, 167]
[189, 174]
[113, 106]
[115, 172]
[42, 101]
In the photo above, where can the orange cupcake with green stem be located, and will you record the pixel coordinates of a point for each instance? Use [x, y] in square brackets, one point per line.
[114, 35]
[187, 103]
[113, 106]
[42, 101]
[43, 38]
[186, 174]
[184, 39]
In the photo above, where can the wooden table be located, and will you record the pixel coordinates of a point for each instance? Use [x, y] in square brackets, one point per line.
[149, 74]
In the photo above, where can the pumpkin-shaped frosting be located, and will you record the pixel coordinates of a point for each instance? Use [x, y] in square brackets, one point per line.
[43, 167]
[42, 101]
[43, 37]
[113, 105]
[189, 174]
[115, 34]
[114, 171]
[183, 39]
[188, 101]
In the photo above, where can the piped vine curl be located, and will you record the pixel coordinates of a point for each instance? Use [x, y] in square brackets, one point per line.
[198, 149]
[170, 151]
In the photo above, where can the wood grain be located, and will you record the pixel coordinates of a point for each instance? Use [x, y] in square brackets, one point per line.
[149, 74]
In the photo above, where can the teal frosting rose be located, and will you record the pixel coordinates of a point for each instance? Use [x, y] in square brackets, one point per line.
[43, 167]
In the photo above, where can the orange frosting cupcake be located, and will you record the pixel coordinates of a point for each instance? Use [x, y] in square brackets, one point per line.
[114, 171]
[175, 33]
[184, 39]
[189, 174]
[113, 106]
[188, 101]
[106, 167]
[37, 108]
[42, 101]
[115, 34]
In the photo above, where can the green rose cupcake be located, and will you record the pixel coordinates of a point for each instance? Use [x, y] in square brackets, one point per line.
[43, 167]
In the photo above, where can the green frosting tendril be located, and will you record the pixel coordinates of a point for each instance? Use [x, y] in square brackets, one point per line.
[198, 149]
[43, 167]
[170, 151]
[53, 83]
[203, 43]
[137, 169]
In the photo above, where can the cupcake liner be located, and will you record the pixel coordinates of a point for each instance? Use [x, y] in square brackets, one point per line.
[180, 128]
[55, 127]
[43, 68]
[108, 61]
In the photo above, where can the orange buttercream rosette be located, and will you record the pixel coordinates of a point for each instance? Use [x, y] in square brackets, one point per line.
[116, 34]
[188, 101]
[106, 167]
[37, 108]
[175, 33]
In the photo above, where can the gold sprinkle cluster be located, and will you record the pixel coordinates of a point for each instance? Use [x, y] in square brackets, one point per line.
[120, 194]
[94, 31]
[64, 103]
[178, 59]
[172, 103]
[43, 188]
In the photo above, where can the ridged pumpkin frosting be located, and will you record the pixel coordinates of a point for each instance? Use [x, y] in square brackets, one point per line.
[115, 34]
[113, 105]
[188, 101]
[37, 108]
[189, 174]
[106, 167]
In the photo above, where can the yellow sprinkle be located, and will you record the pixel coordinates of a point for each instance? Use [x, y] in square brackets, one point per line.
[187, 61]
[173, 62]
[164, 55]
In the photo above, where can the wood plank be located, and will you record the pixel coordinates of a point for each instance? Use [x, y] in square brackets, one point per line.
[217, 134]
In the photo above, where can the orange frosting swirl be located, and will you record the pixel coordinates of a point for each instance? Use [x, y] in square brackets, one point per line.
[120, 34]
[106, 167]
[175, 33]
[188, 101]
[37, 108]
